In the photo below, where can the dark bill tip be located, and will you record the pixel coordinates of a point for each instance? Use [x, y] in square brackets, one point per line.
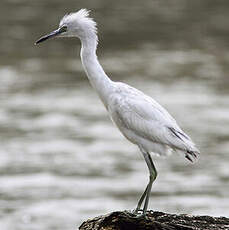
[41, 40]
[52, 34]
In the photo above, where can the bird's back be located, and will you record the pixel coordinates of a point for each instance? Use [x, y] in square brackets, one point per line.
[145, 122]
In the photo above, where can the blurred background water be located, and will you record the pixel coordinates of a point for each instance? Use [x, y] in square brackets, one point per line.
[61, 159]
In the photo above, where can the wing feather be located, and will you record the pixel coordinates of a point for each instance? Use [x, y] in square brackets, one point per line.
[148, 119]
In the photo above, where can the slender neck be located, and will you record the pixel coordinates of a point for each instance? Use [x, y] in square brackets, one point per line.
[96, 75]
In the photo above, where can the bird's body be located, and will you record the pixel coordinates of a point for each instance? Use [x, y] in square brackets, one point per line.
[140, 119]
[144, 122]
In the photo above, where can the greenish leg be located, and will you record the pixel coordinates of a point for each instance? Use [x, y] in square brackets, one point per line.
[141, 200]
[152, 177]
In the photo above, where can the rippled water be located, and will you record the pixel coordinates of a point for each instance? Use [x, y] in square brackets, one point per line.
[61, 159]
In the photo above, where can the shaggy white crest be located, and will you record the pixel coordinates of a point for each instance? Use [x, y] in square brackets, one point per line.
[79, 23]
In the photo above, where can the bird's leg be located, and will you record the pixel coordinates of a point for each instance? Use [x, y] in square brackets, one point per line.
[141, 200]
[152, 177]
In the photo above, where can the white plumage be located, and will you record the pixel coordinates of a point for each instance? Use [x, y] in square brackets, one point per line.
[139, 118]
[145, 123]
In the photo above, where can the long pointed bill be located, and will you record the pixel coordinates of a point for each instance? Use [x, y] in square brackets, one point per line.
[52, 34]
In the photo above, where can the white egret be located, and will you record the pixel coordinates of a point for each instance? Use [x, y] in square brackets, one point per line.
[139, 118]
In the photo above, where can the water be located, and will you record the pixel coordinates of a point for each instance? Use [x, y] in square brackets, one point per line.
[61, 159]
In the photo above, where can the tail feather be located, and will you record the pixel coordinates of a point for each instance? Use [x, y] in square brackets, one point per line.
[192, 155]
[186, 144]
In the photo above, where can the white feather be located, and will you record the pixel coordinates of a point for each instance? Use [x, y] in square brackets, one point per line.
[144, 122]
[140, 119]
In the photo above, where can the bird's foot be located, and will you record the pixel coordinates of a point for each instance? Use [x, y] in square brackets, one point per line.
[133, 214]
[136, 213]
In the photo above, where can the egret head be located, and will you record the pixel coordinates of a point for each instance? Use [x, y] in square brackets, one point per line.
[77, 24]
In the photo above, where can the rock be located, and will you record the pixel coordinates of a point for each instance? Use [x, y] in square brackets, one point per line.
[154, 221]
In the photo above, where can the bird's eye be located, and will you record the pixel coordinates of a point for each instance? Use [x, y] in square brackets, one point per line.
[63, 29]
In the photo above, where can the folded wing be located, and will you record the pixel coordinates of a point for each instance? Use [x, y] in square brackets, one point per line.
[146, 118]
